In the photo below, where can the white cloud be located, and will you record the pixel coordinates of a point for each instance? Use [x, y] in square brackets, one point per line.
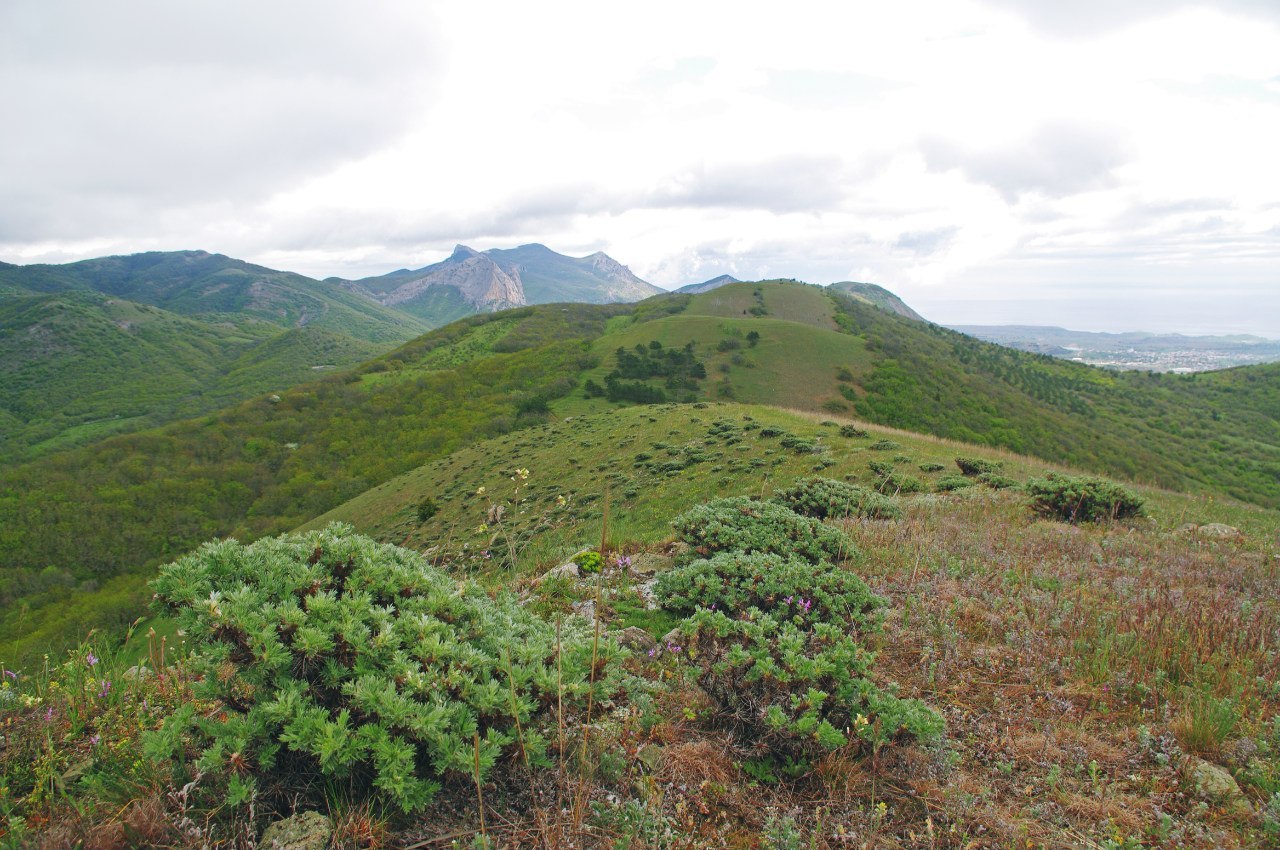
[950, 150]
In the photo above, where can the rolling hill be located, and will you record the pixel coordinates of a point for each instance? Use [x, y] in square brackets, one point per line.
[119, 344]
[78, 366]
[129, 502]
[1095, 681]
[877, 296]
[219, 288]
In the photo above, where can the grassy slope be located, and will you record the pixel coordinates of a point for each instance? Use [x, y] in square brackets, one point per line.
[196, 283]
[135, 501]
[124, 505]
[1074, 665]
[80, 366]
[579, 458]
[1210, 432]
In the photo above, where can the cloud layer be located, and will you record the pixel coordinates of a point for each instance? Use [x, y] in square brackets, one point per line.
[1038, 165]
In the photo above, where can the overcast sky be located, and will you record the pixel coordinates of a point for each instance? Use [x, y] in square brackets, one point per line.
[998, 161]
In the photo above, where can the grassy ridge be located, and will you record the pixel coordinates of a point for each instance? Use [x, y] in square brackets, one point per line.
[78, 518]
[656, 461]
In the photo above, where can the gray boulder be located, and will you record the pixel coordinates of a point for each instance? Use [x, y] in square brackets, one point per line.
[303, 831]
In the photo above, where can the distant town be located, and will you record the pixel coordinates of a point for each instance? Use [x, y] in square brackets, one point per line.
[1134, 350]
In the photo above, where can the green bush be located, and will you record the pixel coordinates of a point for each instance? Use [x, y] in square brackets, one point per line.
[589, 561]
[884, 446]
[741, 524]
[852, 431]
[797, 690]
[974, 466]
[996, 481]
[427, 508]
[789, 588]
[822, 498]
[1082, 499]
[931, 467]
[333, 656]
[951, 483]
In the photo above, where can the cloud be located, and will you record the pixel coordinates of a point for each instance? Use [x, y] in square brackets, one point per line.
[1080, 19]
[1056, 160]
[120, 114]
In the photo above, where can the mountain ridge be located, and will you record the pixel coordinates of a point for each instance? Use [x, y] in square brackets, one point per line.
[502, 278]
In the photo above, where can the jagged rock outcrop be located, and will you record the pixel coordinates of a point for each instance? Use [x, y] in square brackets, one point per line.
[481, 282]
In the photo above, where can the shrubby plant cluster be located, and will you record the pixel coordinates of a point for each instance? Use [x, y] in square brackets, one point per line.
[365, 666]
[1082, 498]
[775, 629]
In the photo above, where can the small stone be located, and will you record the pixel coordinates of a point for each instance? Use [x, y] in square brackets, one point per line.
[75, 772]
[303, 831]
[1210, 782]
[569, 570]
[1218, 531]
[650, 756]
[648, 563]
[645, 591]
[495, 514]
[634, 637]
[585, 609]
[1187, 529]
[672, 637]
[137, 672]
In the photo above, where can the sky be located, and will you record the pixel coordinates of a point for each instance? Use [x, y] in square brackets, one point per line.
[1004, 161]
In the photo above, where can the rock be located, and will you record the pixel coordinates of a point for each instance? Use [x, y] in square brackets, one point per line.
[585, 609]
[303, 831]
[634, 637]
[645, 591]
[648, 563]
[1218, 531]
[672, 638]
[1210, 782]
[650, 756]
[137, 672]
[1187, 529]
[75, 772]
[495, 514]
[569, 570]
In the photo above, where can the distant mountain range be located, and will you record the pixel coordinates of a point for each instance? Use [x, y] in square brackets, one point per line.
[116, 344]
[471, 281]
[1133, 349]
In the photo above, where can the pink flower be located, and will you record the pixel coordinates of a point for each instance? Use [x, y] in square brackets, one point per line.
[91, 659]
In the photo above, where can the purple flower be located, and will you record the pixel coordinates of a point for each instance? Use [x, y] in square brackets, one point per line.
[105, 689]
[48, 714]
[11, 675]
[91, 659]
[653, 652]
[94, 739]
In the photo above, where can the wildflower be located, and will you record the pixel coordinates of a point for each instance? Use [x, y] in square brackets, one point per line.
[653, 652]
[91, 659]
[48, 714]
[94, 739]
[11, 675]
[481, 528]
[560, 501]
[480, 492]
[105, 689]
